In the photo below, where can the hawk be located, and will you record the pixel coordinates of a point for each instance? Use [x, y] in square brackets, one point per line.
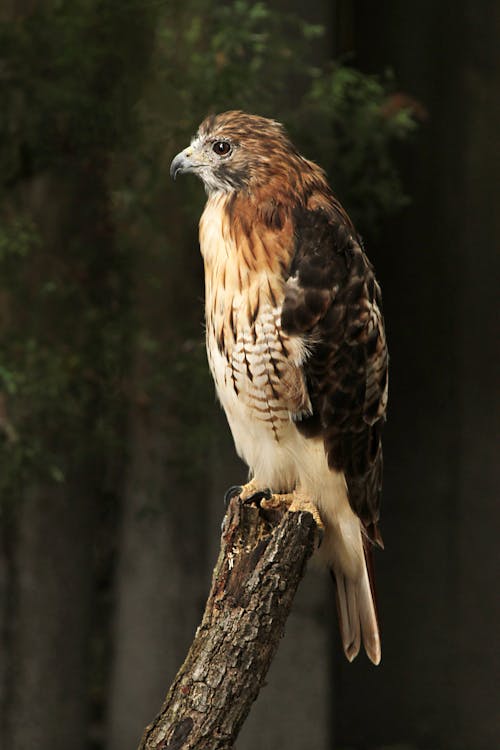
[296, 343]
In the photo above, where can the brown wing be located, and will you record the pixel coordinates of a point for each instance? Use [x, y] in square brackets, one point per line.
[333, 300]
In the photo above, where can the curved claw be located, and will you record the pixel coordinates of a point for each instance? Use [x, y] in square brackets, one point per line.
[320, 533]
[256, 498]
[233, 491]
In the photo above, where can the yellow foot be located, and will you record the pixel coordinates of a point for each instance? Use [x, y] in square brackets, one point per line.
[274, 502]
[295, 501]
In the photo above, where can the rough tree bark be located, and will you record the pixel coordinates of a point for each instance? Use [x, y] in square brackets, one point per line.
[262, 560]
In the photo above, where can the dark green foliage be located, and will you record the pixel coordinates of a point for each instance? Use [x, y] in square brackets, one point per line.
[68, 86]
[71, 71]
[91, 123]
[357, 119]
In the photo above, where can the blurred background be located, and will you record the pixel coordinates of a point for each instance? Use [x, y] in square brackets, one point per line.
[114, 455]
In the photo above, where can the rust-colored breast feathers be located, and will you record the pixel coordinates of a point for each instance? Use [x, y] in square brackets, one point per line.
[250, 355]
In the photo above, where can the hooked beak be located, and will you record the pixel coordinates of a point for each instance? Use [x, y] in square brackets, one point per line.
[181, 163]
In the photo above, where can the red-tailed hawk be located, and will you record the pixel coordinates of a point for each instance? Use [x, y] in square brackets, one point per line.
[296, 343]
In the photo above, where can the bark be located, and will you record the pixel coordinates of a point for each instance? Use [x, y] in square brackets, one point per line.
[262, 559]
[299, 683]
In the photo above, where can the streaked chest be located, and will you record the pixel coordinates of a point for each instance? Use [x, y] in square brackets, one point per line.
[255, 364]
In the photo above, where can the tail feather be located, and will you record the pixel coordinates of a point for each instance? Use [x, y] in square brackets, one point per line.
[357, 616]
[368, 619]
[350, 631]
[346, 549]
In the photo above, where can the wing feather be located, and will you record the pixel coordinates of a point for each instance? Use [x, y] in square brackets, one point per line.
[333, 301]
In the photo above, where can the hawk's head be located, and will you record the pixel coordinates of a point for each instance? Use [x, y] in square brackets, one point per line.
[237, 151]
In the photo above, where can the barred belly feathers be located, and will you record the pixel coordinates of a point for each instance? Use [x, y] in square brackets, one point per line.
[296, 343]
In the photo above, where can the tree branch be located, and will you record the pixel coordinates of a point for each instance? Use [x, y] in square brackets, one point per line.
[262, 559]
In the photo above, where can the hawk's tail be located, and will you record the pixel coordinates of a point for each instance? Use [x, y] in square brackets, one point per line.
[357, 612]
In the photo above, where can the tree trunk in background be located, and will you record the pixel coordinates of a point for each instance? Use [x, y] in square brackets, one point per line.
[436, 577]
[48, 527]
[477, 667]
[71, 80]
[410, 696]
[49, 572]
[162, 575]
[5, 604]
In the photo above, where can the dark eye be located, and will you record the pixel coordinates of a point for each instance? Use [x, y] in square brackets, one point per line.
[221, 148]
